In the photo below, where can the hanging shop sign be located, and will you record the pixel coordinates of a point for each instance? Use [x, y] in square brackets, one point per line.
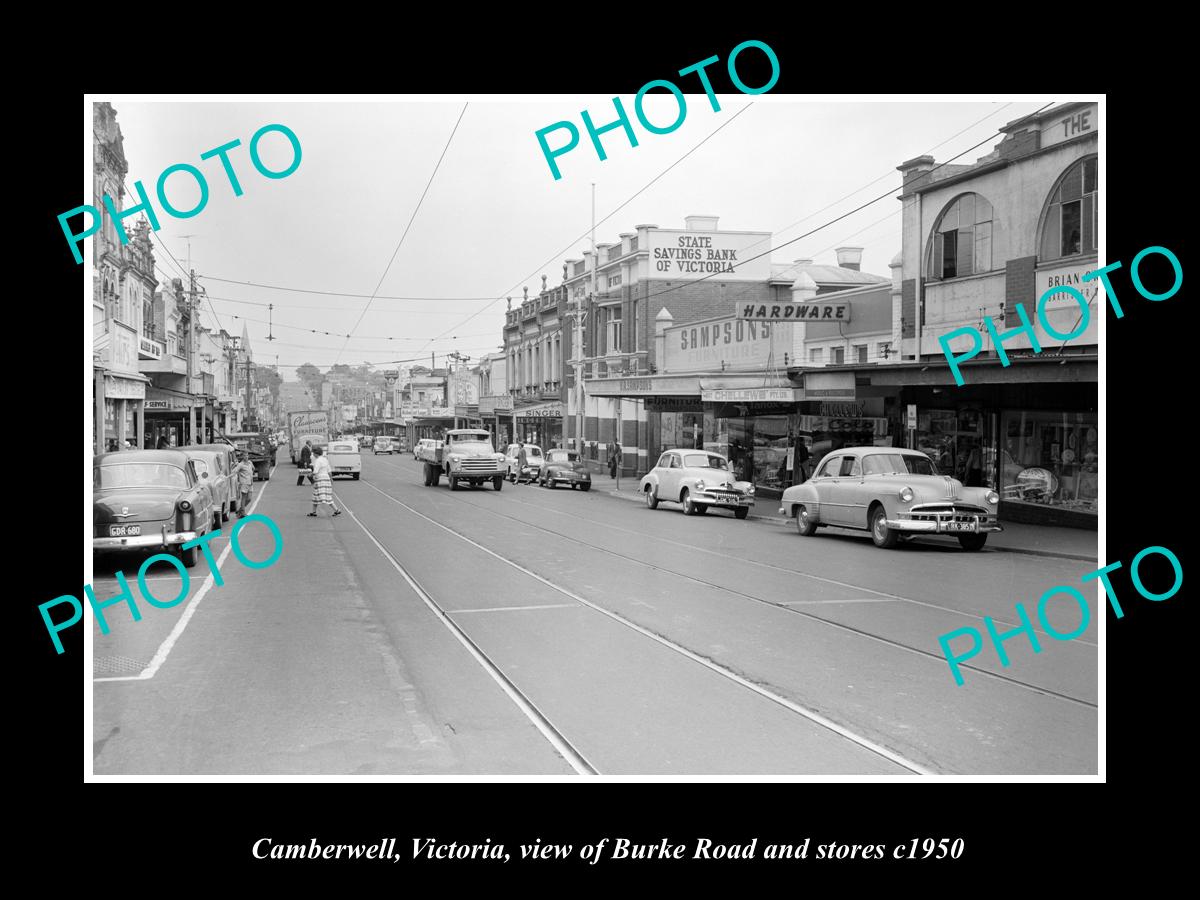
[541, 411]
[490, 406]
[793, 312]
[752, 395]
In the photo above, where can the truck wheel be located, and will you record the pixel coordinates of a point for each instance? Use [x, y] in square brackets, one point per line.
[453, 482]
[498, 482]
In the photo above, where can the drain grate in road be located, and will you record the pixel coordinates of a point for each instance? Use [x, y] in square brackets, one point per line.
[116, 665]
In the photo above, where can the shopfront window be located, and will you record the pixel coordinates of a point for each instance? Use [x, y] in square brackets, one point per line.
[960, 443]
[757, 448]
[681, 431]
[1050, 458]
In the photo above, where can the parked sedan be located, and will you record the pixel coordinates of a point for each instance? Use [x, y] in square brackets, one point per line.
[565, 467]
[383, 445]
[149, 500]
[533, 463]
[209, 468]
[226, 461]
[698, 479]
[344, 459]
[893, 493]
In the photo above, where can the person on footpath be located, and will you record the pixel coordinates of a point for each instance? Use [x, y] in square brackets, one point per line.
[322, 479]
[305, 462]
[614, 458]
[244, 473]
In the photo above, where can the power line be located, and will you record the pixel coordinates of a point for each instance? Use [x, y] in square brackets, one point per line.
[405, 312]
[712, 133]
[274, 287]
[412, 218]
[340, 335]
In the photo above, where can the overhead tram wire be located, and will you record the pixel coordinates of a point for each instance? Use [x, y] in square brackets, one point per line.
[338, 334]
[863, 206]
[273, 287]
[265, 305]
[780, 231]
[412, 219]
[553, 258]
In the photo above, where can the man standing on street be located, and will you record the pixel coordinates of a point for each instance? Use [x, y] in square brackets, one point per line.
[245, 480]
[614, 458]
[522, 462]
[305, 462]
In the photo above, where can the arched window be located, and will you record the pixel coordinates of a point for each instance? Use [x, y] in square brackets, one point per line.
[962, 239]
[1069, 227]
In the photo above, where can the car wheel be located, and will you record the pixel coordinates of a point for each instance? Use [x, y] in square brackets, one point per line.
[188, 556]
[689, 508]
[498, 482]
[742, 511]
[882, 535]
[356, 474]
[804, 523]
[651, 499]
[585, 487]
[972, 541]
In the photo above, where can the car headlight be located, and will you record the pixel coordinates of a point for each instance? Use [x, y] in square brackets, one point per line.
[750, 490]
[906, 494]
[700, 485]
[993, 497]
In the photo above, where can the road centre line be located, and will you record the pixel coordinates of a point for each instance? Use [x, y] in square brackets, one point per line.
[815, 717]
[785, 569]
[861, 632]
[164, 649]
[574, 758]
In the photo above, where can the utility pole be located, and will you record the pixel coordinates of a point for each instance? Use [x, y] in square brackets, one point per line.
[191, 341]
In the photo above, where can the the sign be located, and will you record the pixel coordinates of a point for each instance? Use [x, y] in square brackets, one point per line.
[124, 388]
[674, 404]
[843, 410]
[175, 403]
[689, 255]
[466, 389]
[793, 312]
[1076, 123]
[912, 415]
[835, 425]
[829, 385]
[541, 411]
[1064, 277]
[150, 349]
[751, 395]
[490, 406]
[725, 344]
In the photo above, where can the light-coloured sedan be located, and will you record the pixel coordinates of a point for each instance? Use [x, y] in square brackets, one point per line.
[698, 479]
[893, 493]
[344, 459]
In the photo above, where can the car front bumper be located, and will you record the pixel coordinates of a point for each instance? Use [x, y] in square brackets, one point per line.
[730, 501]
[569, 479]
[946, 523]
[160, 538]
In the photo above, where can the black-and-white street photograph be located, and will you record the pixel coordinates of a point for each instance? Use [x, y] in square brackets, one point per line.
[679, 435]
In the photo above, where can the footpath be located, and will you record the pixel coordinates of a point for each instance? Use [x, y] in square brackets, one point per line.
[1017, 537]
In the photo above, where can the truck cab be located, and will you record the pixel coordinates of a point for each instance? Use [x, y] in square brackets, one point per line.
[466, 455]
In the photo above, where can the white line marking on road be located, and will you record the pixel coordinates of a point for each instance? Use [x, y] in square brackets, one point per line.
[817, 718]
[573, 757]
[513, 608]
[855, 600]
[165, 647]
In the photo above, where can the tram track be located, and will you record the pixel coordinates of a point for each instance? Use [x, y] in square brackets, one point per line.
[860, 632]
[561, 742]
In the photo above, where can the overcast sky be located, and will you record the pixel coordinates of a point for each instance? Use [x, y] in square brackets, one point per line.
[494, 219]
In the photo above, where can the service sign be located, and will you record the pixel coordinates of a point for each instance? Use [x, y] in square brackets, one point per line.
[794, 312]
[722, 255]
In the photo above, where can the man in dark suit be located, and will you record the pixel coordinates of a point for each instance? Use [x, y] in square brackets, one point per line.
[305, 462]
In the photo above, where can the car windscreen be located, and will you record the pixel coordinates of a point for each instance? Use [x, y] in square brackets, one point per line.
[898, 463]
[704, 461]
[533, 452]
[562, 456]
[343, 448]
[133, 475]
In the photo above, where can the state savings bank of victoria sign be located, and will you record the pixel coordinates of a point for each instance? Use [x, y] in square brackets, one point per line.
[684, 255]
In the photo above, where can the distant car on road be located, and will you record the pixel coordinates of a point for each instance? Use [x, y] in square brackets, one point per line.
[149, 500]
[894, 493]
[697, 479]
[383, 444]
[565, 467]
[344, 459]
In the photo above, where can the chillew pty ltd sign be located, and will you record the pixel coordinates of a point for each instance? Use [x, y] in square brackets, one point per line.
[794, 312]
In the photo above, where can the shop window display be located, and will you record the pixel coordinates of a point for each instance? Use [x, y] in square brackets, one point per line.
[1050, 458]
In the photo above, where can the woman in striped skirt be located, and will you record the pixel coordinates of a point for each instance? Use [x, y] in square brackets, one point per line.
[322, 478]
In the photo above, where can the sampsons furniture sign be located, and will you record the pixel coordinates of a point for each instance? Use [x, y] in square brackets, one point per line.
[731, 343]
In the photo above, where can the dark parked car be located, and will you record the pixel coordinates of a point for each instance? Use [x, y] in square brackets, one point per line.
[564, 467]
[149, 500]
